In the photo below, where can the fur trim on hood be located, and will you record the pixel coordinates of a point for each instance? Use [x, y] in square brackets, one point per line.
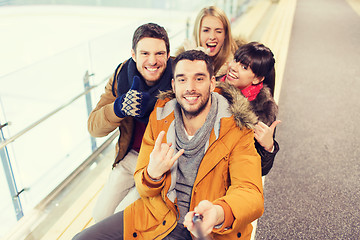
[264, 106]
[239, 105]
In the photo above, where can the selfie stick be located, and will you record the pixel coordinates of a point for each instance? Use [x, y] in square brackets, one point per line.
[197, 219]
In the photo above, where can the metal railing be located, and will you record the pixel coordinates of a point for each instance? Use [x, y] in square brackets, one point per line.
[3, 143]
[31, 126]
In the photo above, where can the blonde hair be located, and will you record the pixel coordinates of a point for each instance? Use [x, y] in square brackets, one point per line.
[229, 46]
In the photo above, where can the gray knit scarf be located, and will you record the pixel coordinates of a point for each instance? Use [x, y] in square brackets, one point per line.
[189, 162]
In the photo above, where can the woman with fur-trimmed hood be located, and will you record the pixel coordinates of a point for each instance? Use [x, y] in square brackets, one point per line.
[252, 73]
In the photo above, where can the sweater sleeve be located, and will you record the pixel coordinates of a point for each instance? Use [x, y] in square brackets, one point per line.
[267, 158]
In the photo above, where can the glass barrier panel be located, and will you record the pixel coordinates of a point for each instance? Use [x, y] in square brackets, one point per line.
[49, 153]
[45, 155]
[33, 92]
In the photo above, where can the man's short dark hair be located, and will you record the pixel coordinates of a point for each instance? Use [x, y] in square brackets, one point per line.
[193, 55]
[151, 30]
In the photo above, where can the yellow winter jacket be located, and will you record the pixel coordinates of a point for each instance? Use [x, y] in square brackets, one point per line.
[230, 172]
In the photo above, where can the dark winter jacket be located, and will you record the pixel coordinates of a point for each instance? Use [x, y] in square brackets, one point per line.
[266, 110]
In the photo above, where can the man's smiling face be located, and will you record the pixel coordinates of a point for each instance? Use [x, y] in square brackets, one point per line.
[151, 58]
[192, 86]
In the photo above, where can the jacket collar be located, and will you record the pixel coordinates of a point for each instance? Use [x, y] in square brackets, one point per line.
[240, 107]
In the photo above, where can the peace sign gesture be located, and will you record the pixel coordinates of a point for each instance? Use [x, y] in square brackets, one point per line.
[161, 158]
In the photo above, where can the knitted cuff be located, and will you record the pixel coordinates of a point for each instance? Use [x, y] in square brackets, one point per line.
[118, 106]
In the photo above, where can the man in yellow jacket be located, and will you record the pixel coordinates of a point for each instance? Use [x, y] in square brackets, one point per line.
[197, 157]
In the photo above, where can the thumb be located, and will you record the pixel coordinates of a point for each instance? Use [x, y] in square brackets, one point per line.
[274, 124]
[136, 83]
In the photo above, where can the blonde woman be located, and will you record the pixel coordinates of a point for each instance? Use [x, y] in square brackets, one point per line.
[212, 32]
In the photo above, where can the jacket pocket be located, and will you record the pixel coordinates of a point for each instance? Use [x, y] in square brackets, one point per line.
[149, 213]
[225, 172]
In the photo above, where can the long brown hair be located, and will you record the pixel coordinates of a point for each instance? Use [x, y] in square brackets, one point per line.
[229, 45]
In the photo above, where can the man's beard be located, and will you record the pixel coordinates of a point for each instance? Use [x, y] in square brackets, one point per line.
[195, 113]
